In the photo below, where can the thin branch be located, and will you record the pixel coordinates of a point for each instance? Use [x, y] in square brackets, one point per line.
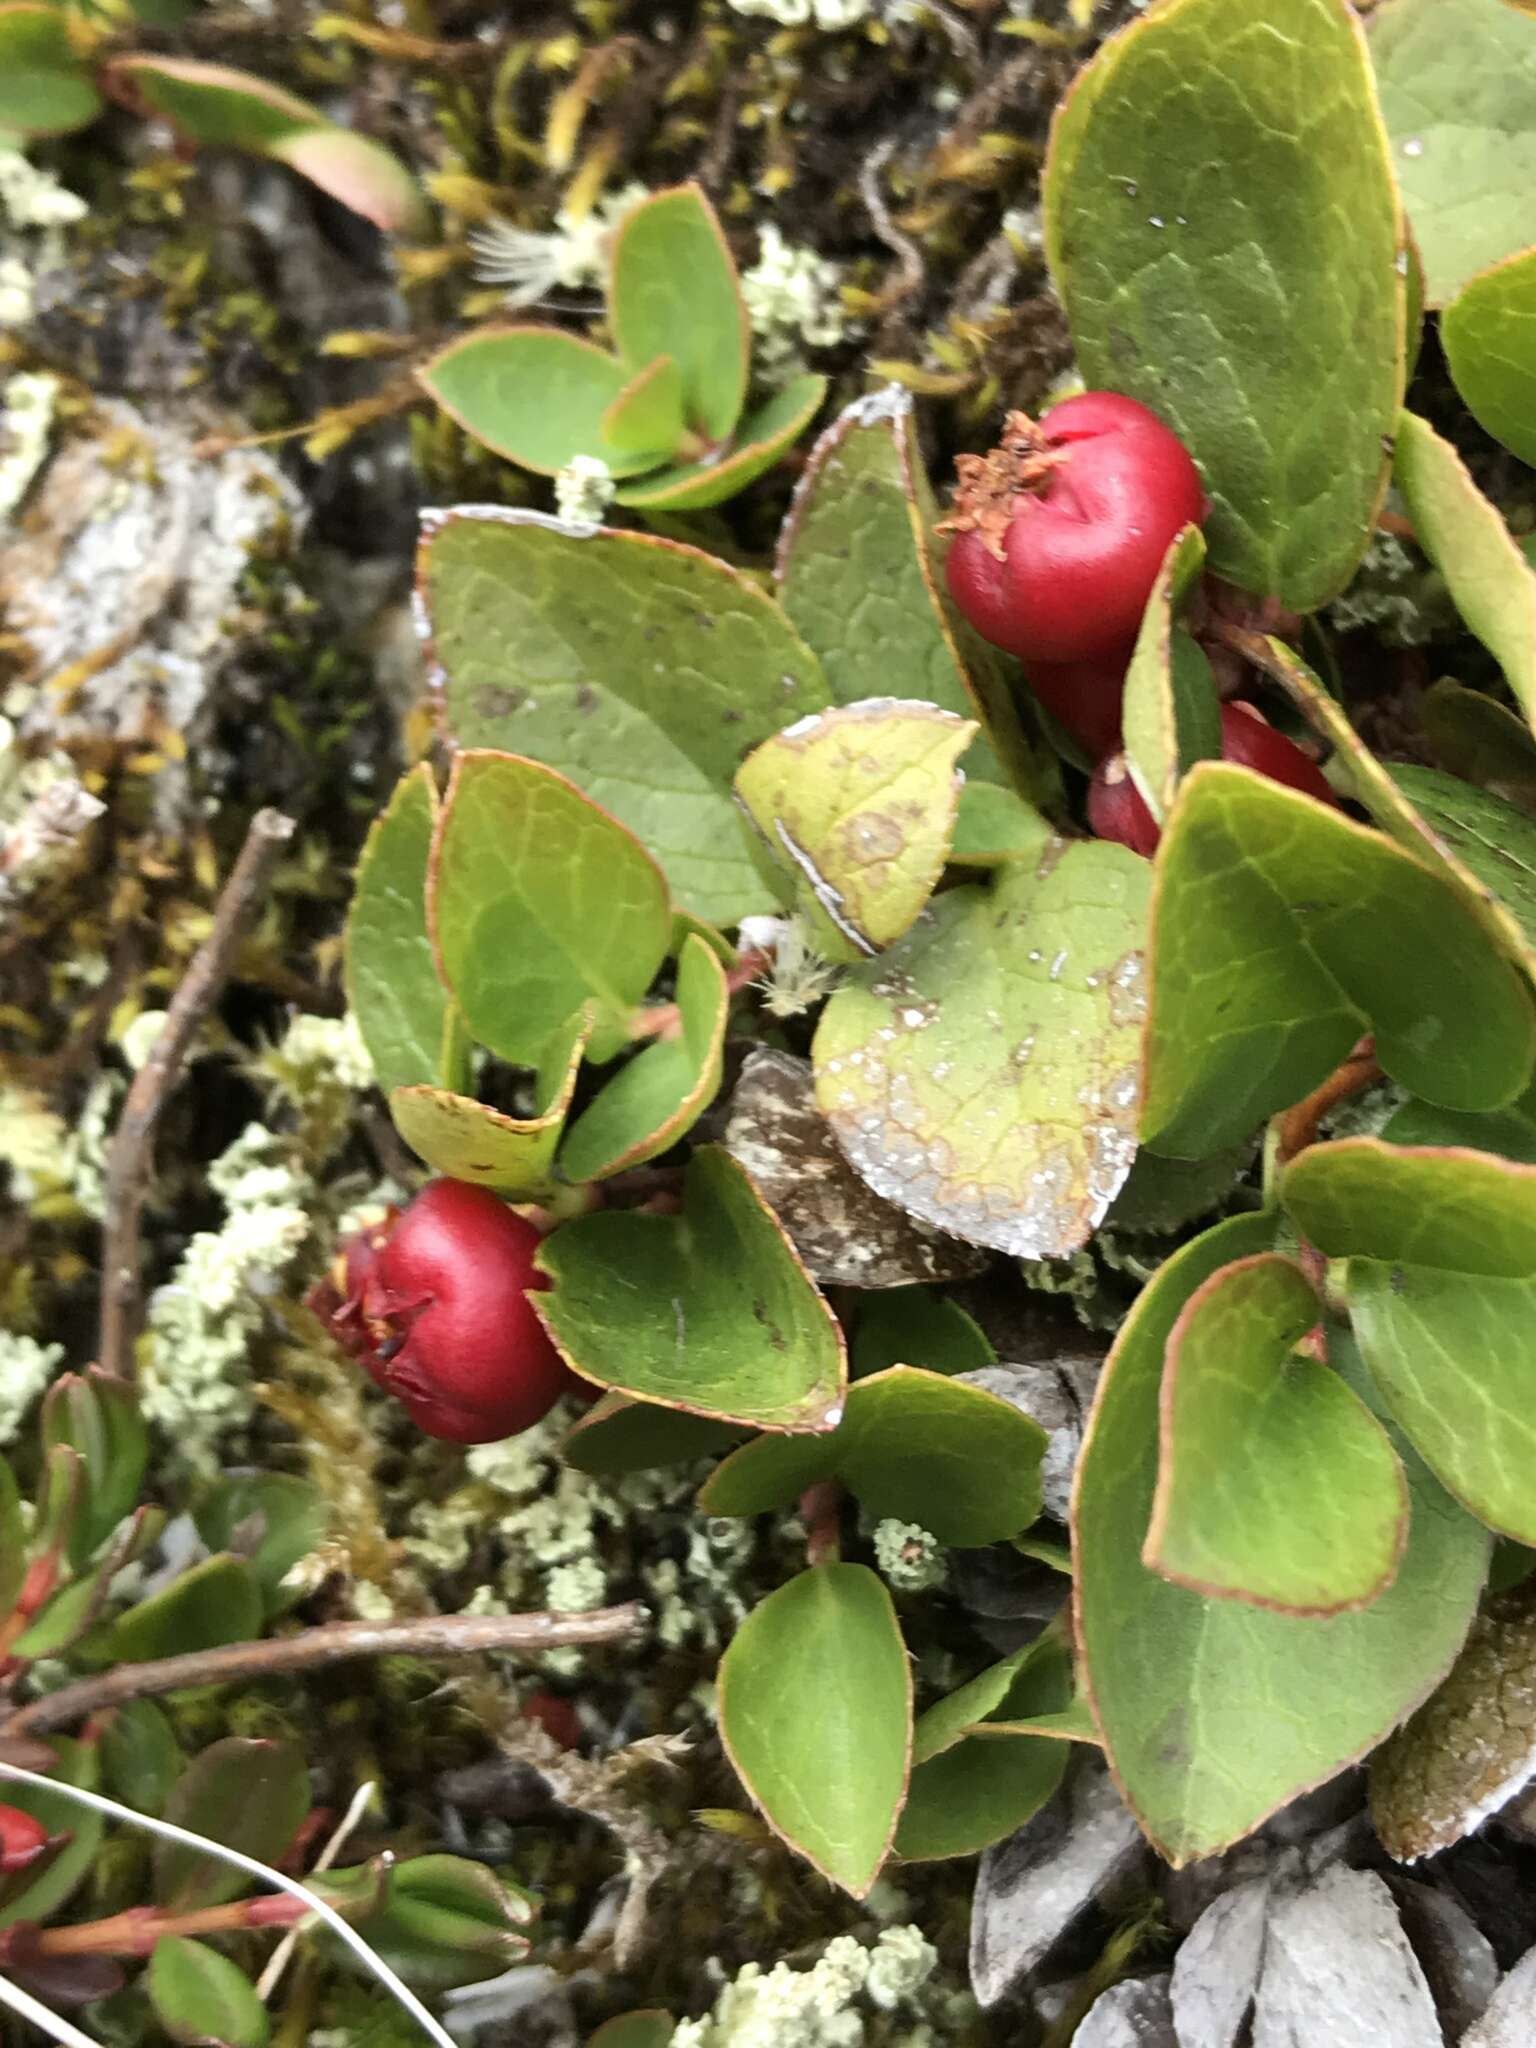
[429, 1635]
[131, 1161]
[1296, 1127]
[277, 1962]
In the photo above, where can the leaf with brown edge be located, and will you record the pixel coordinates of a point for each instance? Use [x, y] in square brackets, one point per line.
[470, 1141]
[816, 1716]
[709, 1311]
[1170, 717]
[1215, 1713]
[673, 291]
[393, 986]
[647, 415]
[537, 395]
[762, 437]
[1471, 1746]
[1276, 1484]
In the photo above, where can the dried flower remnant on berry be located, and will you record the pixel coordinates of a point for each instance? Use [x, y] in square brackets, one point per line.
[1020, 463]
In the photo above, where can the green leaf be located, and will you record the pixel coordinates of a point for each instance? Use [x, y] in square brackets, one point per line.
[45, 89]
[98, 1417]
[140, 1757]
[1170, 718]
[217, 1601]
[1456, 80]
[1481, 740]
[1483, 848]
[1489, 334]
[856, 578]
[709, 1311]
[445, 1921]
[982, 1073]
[913, 1446]
[539, 902]
[655, 740]
[764, 436]
[816, 1717]
[665, 1089]
[470, 1141]
[1509, 1132]
[1177, 278]
[202, 1997]
[647, 416]
[392, 982]
[917, 1326]
[271, 1518]
[1490, 582]
[216, 104]
[1280, 932]
[1441, 1285]
[535, 395]
[618, 1436]
[635, 2030]
[13, 1540]
[250, 1796]
[79, 1764]
[856, 808]
[993, 825]
[968, 1791]
[1215, 1713]
[672, 291]
[1276, 1484]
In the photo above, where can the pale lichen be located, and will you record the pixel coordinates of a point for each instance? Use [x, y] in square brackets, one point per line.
[819, 2007]
[584, 490]
[26, 1367]
[909, 1557]
[793, 299]
[26, 409]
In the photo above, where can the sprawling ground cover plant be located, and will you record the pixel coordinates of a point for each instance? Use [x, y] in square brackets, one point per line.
[690, 807]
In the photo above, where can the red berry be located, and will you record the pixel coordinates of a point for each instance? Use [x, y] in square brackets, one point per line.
[22, 1839]
[1248, 738]
[1085, 696]
[1115, 807]
[434, 1305]
[1116, 810]
[556, 1716]
[1061, 530]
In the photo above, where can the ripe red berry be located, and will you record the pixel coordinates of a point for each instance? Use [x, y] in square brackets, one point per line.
[1115, 807]
[1085, 696]
[22, 1839]
[434, 1305]
[1061, 530]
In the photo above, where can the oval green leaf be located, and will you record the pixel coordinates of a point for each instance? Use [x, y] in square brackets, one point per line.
[1276, 1484]
[247, 1795]
[617, 1436]
[763, 438]
[647, 416]
[709, 1311]
[1214, 1713]
[1489, 333]
[816, 1717]
[914, 1446]
[217, 1601]
[1280, 932]
[533, 394]
[45, 89]
[1176, 281]
[655, 736]
[392, 981]
[672, 291]
[200, 1996]
[539, 903]
[1170, 717]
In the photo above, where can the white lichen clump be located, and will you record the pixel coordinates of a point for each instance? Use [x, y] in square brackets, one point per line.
[26, 1367]
[26, 415]
[910, 1558]
[819, 2007]
[584, 490]
[201, 1322]
[827, 14]
[793, 300]
[530, 263]
[34, 206]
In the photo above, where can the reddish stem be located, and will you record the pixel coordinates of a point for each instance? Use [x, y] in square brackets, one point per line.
[820, 1510]
[135, 1932]
[665, 1020]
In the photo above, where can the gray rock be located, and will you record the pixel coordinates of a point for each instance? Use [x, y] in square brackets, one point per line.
[1456, 1956]
[527, 2006]
[1339, 1971]
[1082, 1849]
[847, 1235]
[1135, 2014]
[1510, 2021]
[1054, 1396]
[1216, 1970]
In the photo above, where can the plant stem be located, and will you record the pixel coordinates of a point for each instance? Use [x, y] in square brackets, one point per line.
[820, 1507]
[431, 1635]
[135, 1932]
[1296, 1127]
[131, 1160]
